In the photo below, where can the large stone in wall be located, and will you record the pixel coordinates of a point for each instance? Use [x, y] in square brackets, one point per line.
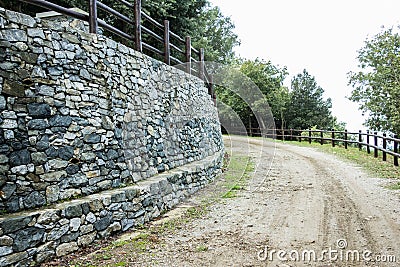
[27, 238]
[39, 110]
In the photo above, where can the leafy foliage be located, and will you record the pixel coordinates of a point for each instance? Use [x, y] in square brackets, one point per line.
[269, 79]
[215, 33]
[207, 26]
[306, 107]
[377, 84]
[181, 14]
[302, 107]
[262, 75]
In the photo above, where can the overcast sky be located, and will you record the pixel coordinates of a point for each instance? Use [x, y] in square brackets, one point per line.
[320, 36]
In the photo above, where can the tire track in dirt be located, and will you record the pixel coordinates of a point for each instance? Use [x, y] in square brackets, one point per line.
[341, 218]
[304, 201]
[347, 207]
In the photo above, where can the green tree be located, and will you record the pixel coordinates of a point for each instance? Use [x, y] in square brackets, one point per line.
[269, 79]
[215, 33]
[377, 84]
[262, 75]
[181, 14]
[306, 107]
[279, 100]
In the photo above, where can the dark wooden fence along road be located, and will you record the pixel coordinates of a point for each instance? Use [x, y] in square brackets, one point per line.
[142, 24]
[388, 145]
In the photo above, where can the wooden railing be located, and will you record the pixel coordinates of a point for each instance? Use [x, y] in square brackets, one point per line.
[387, 145]
[142, 24]
[368, 140]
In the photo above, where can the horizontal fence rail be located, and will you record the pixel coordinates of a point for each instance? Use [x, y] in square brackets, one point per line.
[368, 140]
[145, 34]
[387, 145]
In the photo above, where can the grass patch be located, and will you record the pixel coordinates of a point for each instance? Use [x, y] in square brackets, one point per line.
[374, 166]
[236, 175]
[119, 243]
[395, 186]
[229, 194]
[103, 256]
[171, 225]
[196, 212]
[202, 248]
[140, 242]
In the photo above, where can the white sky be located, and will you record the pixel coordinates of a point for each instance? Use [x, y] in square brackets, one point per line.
[320, 36]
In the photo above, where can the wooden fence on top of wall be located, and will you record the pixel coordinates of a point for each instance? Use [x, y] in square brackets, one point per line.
[142, 24]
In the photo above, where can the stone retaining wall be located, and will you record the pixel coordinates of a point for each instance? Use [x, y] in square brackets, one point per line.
[30, 238]
[80, 113]
[83, 117]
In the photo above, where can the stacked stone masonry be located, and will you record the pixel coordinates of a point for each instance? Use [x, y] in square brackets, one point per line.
[34, 237]
[82, 116]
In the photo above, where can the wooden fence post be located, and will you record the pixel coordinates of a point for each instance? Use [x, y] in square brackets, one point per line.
[201, 63]
[359, 140]
[368, 147]
[188, 54]
[309, 136]
[138, 26]
[291, 134]
[211, 89]
[345, 139]
[322, 137]
[93, 25]
[384, 147]
[167, 48]
[395, 150]
[375, 144]
[333, 137]
[299, 134]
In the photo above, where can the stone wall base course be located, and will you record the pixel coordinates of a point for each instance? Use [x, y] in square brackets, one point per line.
[66, 227]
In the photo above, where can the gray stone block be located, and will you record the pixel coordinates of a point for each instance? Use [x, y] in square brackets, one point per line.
[34, 199]
[60, 121]
[21, 157]
[92, 138]
[39, 110]
[102, 223]
[57, 232]
[73, 211]
[13, 258]
[37, 124]
[14, 35]
[66, 248]
[27, 238]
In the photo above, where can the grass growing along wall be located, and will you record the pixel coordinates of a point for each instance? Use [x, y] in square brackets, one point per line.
[237, 174]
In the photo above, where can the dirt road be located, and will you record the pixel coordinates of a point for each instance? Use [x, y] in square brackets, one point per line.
[301, 208]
